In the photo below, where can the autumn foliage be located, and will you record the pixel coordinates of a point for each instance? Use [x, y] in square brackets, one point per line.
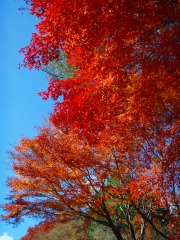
[109, 42]
[59, 176]
[71, 230]
[111, 150]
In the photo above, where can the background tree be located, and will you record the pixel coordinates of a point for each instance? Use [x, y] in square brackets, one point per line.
[98, 232]
[71, 230]
[59, 69]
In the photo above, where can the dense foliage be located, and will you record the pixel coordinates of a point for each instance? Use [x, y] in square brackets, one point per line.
[71, 230]
[111, 151]
[59, 176]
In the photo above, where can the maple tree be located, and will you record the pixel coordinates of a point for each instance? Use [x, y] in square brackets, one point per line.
[59, 176]
[126, 84]
[108, 41]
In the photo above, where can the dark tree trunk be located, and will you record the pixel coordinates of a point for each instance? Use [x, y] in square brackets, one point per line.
[117, 233]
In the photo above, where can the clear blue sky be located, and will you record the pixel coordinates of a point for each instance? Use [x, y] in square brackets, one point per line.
[21, 107]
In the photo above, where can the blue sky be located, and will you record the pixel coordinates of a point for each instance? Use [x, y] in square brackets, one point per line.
[21, 107]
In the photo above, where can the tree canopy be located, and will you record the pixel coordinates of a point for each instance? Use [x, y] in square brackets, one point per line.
[110, 153]
[110, 42]
[59, 176]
